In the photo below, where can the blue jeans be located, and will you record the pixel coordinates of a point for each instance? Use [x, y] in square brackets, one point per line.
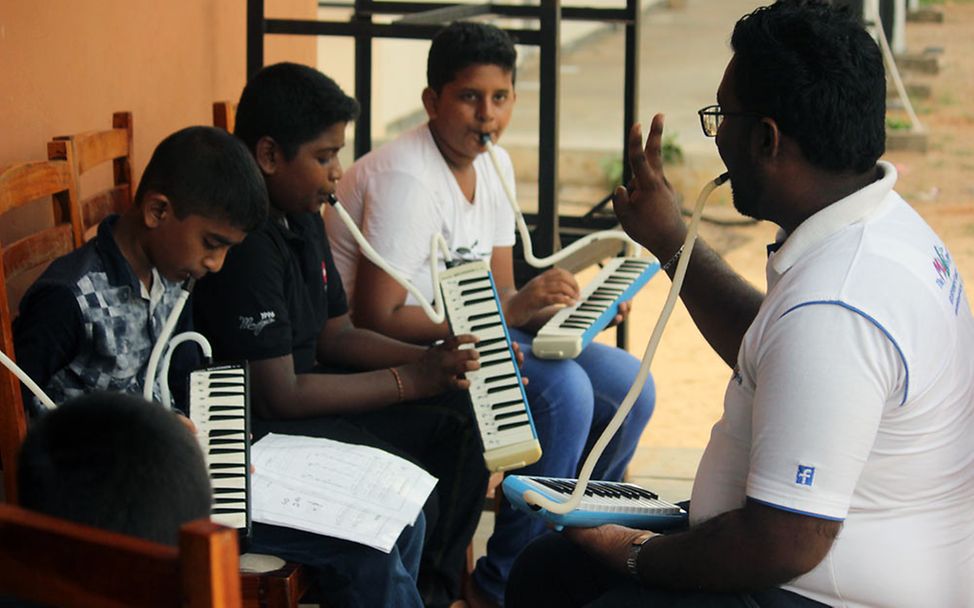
[571, 401]
[348, 574]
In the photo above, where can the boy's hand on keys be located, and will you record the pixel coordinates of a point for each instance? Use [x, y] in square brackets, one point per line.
[555, 286]
[519, 357]
[441, 368]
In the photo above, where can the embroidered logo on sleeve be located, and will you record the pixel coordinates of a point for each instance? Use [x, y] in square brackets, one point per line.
[258, 325]
[805, 475]
[946, 274]
[941, 263]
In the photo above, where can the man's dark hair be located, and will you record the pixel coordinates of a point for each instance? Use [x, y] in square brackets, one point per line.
[207, 172]
[292, 104]
[115, 462]
[819, 74]
[462, 44]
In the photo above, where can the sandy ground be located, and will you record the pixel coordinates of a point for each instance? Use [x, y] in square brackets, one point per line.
[690, 377]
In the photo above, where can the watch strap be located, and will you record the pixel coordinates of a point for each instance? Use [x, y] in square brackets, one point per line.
[634, 550]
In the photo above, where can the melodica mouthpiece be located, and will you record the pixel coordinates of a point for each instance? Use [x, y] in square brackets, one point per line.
[332, 200]
[485, 138]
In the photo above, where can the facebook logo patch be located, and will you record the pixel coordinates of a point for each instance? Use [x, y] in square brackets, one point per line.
[805, 475]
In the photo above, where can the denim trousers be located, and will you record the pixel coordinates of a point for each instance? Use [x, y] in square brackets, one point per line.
[571, 402]
[440, 435]
[346, 574]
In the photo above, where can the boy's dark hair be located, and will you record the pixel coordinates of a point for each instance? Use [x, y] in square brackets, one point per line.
[462, 44]
[819, 74]
[207, 172]
[291, 103]
[115, 462]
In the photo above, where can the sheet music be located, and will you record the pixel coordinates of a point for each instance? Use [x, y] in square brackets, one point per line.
[347, 491]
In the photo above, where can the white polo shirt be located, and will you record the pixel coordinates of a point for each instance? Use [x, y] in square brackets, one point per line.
[853, 400]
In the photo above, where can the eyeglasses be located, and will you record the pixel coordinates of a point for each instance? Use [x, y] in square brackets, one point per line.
[712, 116]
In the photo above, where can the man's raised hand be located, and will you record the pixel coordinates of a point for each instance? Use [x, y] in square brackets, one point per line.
[648, 209]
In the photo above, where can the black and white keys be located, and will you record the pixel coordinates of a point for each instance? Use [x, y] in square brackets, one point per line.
[496, 391]
[219, 406]
[572, 328]
[604, 502]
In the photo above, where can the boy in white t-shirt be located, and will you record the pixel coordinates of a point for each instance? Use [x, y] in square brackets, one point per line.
[437, 178]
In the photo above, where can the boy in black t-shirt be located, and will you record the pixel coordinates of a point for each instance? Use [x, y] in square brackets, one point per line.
[280, 304]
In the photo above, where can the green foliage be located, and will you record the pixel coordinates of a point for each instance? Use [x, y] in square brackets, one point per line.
[611, 171]
[897, 124]
[672, 152]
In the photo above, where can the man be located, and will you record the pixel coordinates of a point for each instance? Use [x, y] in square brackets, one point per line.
[841, 472]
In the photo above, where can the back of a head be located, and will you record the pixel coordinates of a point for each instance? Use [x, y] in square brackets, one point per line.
[206, 171]
[115, 462]
[819, 74]
[292, 104]
[462, 44]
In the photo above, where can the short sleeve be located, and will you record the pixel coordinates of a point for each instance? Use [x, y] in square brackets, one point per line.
[825, 373]
[400, 216]
[242, 309]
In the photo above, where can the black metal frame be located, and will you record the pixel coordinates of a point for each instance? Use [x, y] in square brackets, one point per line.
[421, 20]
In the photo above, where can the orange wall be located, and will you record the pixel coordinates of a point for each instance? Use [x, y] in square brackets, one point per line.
[66, 65]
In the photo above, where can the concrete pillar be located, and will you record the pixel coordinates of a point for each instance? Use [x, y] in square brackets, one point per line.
[898, 38]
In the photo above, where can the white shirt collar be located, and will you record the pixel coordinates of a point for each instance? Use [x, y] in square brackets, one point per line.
[852, 209]
[153, 295]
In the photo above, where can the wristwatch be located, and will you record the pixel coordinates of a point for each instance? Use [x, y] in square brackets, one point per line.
[634, 549]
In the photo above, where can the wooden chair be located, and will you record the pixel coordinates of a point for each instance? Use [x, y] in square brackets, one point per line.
[61, 563]
[224, 115]
[24, 183]
[89, 150]
[281, 588]
[21, 184]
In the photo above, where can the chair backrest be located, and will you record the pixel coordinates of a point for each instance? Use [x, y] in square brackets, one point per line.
[224, 115]
[60, 563]
[21, 184]
[89, 150]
